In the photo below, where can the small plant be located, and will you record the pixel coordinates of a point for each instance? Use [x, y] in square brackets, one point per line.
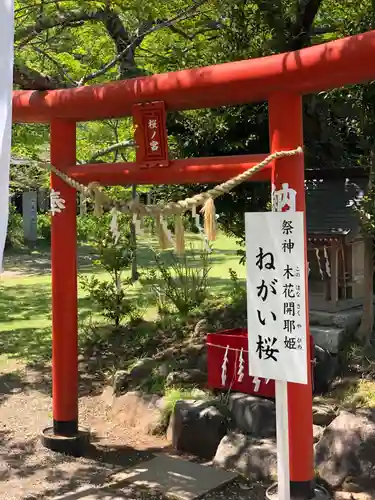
[154, 383]
[241, 252]
[175, 394]
[44, 227]
[14, 236]
[238, 289]
[180, 280]
[91, 335]
[139, 308]
[110, 297]
[161, 300]
[114, 256]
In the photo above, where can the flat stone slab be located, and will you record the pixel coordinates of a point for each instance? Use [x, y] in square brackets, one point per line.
[175, 477]
[169, 476]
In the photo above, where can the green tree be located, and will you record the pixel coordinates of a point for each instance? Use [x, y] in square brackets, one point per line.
[67, 44]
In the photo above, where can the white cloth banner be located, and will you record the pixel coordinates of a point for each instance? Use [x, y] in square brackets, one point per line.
[6, 88]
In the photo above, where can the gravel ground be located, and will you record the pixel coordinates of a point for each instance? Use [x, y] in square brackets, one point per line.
[29, 471]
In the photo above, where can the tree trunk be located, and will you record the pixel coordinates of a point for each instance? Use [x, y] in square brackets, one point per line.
[367, 323]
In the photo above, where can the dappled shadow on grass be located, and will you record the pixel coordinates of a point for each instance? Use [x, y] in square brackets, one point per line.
[30, 344]
[221, 286]
[36, 260]
[25, 311]
[25, 301]
[353, 391]
[103, 347]
[22, 302]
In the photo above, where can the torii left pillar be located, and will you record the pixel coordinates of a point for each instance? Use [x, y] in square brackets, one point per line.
[65, 435]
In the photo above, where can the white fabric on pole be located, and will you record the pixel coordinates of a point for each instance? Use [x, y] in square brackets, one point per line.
[6, 87]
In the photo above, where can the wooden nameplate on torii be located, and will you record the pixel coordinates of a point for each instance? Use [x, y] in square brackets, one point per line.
[151, 135]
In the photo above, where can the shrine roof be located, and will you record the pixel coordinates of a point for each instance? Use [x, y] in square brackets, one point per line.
[329, 210]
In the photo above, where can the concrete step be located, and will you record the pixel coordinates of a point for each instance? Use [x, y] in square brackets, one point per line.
[349, 320]
[329, 337]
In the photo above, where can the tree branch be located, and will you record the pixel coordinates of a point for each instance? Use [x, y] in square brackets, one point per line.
[121, 39]
[111, 148]
[24, 35]
[189, 12]
[28, 78]
[307, 11]
[125, 45]
[57, 64]
[191, 36]
[110, 20]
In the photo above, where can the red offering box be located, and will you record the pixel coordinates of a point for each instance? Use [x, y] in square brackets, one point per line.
[236, 339]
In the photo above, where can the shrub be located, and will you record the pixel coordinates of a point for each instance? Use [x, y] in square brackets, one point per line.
[44, 227]
[87, 227]
[114, 257]
[14, 236]
[112, 299]
[180, 280]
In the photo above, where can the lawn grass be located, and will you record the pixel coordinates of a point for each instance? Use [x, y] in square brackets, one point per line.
[25, 301]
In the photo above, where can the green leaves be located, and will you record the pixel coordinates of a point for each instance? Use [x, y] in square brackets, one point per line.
[113, 256]
[364, 206]
[181, 281]
[71, 43]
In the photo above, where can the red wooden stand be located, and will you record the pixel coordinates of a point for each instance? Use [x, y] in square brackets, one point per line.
[236, 340]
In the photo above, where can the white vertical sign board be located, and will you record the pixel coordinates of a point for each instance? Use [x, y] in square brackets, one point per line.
[6, 87]
[276, 311]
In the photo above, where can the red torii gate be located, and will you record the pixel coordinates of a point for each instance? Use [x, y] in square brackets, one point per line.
[281, 80]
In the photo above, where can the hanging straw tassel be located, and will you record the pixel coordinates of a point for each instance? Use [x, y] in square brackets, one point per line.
[161, 231]
[180, 234]
[97, 195]
[209, 219]
[137, 224]
[141, 224]
[98, 207]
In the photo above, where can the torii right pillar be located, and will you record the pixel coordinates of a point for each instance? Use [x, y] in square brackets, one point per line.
[286, 132]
